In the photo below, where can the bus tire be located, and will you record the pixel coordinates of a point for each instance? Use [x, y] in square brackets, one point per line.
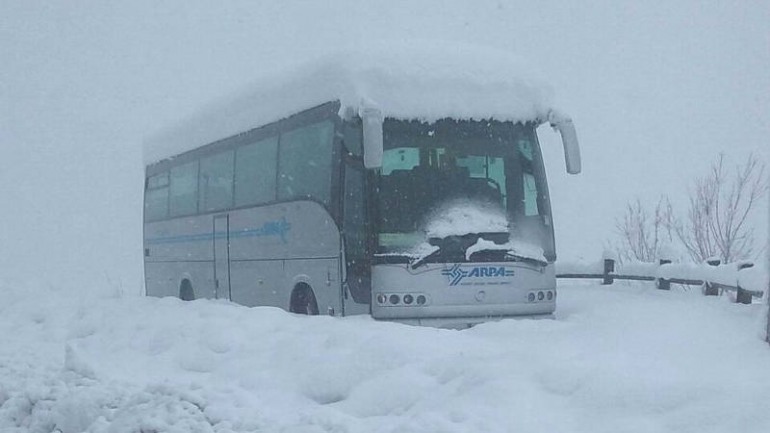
[303, 300]
[186, 292]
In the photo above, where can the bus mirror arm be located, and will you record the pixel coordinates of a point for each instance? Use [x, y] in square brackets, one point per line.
[372, 119]
[566, 128]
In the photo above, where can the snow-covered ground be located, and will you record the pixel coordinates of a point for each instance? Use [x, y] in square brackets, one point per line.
[624, 358]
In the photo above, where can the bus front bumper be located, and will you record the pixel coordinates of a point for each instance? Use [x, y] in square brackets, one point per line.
[461, 322]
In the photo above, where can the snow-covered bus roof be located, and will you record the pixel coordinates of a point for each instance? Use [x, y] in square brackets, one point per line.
[415, 82]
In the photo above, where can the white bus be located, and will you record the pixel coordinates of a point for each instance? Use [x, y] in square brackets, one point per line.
[367, 183]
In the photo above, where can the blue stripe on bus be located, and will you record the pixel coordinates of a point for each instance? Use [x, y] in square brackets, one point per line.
[271, 228]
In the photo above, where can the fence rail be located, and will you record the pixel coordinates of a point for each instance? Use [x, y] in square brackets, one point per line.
[713, 277]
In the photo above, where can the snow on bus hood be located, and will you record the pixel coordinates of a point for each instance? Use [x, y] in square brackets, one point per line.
[426, 81]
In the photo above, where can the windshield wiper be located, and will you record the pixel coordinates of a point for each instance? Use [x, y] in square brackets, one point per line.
[522, 258]
[419, 261]
[452, 247]
[509, 250]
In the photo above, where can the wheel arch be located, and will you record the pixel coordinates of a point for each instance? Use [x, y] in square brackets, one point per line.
[186, 288]
[301, 293]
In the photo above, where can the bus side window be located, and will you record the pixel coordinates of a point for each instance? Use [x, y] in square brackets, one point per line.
[183, 199]
[255, 166]
[215, 187]
[305, 163]
[156, 197]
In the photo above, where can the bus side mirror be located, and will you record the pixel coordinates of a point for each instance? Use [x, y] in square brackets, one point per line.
[372, 124]
[569, 139]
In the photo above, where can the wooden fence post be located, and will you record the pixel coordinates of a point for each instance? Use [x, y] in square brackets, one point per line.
[662, 283]
[767, 302]
[609, 269]
[709, 289]
[767, 334]
[743, 296]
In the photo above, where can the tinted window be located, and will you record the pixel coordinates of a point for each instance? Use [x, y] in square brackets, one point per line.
[157, 181]
[356, 232]
[354, 215]
[529, 182]
[353, 134]
[156, 197]
[216, 182]
[402, 158]
[183, 191]
[305, 162]
[530, 195]
[490, 166]
[255, 166]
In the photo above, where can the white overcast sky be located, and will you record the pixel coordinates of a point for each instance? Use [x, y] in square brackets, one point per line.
[657, 89]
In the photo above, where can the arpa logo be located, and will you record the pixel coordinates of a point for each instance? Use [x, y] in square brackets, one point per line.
[457, 273]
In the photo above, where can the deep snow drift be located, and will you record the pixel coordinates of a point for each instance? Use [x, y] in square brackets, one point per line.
[624, 358]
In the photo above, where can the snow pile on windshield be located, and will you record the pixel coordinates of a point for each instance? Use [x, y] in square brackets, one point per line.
[464, 217]
[426, 81]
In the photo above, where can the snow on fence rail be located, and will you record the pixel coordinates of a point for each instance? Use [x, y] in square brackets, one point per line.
[743, 278]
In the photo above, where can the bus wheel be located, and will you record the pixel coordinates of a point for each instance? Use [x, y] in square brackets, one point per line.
[303, 301]
[186, 292]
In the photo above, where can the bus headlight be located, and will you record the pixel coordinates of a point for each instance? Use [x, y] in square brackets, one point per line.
[531, 297]
[408, 299]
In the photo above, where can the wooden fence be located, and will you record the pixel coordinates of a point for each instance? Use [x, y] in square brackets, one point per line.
[711, 276]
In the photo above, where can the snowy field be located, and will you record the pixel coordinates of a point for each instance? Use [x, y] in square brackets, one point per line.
[624, 358]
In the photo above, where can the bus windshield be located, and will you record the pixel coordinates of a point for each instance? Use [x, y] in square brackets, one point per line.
[445, 187]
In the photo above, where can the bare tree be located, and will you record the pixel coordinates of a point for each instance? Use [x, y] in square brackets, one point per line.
[720, 204]
[644, 235]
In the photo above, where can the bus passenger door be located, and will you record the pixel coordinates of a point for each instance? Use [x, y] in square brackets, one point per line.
[222, 256]
[355, 229]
